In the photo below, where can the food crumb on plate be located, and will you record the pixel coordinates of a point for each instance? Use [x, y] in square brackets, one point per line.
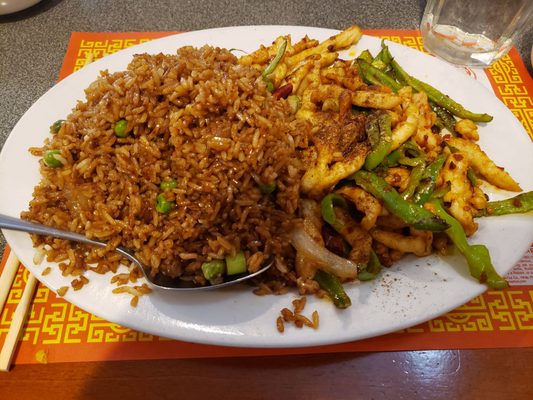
[62, 291]
[296, 317]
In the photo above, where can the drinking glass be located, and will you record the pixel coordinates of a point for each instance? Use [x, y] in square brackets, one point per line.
[474, 33]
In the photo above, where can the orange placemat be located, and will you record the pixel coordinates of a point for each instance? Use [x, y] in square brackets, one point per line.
[60, 332]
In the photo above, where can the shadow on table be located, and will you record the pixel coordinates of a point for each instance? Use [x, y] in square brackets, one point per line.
[42, 6]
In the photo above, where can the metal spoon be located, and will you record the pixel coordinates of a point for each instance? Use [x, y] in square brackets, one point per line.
[159, 281]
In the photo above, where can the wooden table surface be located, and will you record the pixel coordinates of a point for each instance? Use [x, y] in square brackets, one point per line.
[450, 374]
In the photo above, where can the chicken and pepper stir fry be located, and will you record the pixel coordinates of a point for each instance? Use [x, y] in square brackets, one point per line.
[394, 167]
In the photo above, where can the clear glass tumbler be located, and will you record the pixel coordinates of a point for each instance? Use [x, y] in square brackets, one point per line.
[474, 33]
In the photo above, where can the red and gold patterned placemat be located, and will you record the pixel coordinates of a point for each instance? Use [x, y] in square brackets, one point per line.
[57, 331]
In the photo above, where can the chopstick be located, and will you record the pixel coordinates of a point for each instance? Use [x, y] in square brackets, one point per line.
[6, 279]
[8, 349]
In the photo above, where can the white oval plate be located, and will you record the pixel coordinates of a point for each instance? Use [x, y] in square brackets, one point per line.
[413, 291]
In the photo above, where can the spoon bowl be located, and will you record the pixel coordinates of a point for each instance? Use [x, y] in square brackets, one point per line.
[158, 281]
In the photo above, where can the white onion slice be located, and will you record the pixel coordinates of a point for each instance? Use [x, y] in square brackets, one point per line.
[327, 260]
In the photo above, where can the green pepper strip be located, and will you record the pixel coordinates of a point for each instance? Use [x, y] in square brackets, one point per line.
[471, 175]
[274, 63]
[412, 214]
[368, 78]
[438, 97]
[372, 129]
[446, 117]
[520, 204]
[477, 256]
[402, 153]
[386, 56]
[383, 145]
[392, 159]
[372, 270]
[441, 192]
[332, 285]
[402, 156]
[379, 62]
[439, 124]
[427, 186]
[328, 211]
[365, 55]
[414, 181]
[376, 76]
[382, 61]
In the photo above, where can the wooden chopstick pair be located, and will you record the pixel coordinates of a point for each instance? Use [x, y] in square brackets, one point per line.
[15, 329]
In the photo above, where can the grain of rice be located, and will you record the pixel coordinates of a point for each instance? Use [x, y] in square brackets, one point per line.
[299, 304]
[280, 325]
[303, 319]
[39, 255]
[134, 301]
[255, 261]
[316, 321]
[120, 279]
[77, 284]
[262, 290]
[143, 289]
[126, 289]
[282, 290]
[287, 315]
[62, 291]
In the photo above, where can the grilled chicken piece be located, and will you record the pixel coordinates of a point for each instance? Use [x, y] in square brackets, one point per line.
[340, 148]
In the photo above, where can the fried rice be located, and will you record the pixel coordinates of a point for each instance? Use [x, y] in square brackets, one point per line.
[198, 118]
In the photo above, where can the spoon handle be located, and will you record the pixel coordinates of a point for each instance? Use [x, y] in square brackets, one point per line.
[16, 224]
